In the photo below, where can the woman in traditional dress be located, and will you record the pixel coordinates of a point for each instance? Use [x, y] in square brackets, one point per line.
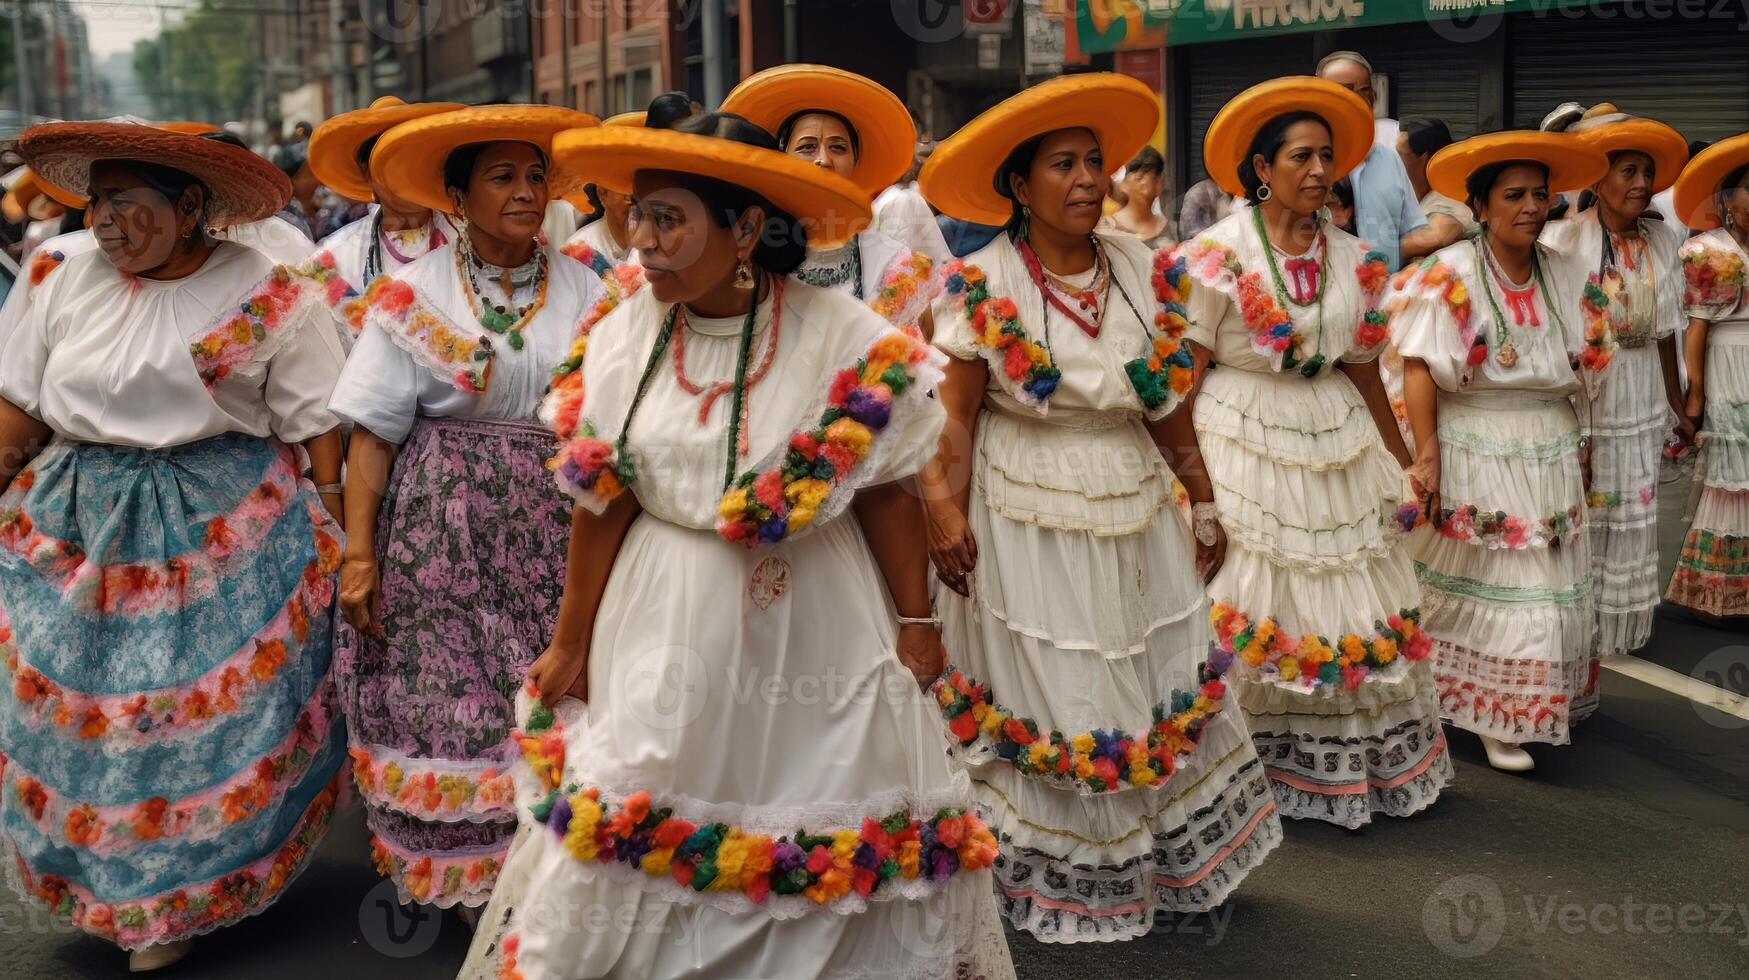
[736, 441]
[171, 736]
[1085, 700]
[854, 127]
[445, 481]
[1639, 399]
[396, 231]
[1712, 575]
[1495, 337]
[1317, 597]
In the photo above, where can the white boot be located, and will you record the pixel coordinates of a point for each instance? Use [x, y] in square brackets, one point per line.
[158, 957]
[1506, 756]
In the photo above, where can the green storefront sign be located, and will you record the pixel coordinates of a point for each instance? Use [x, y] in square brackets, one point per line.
[1111, 25]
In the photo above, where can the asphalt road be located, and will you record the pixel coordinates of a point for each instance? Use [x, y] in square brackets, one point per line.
[1621, 855]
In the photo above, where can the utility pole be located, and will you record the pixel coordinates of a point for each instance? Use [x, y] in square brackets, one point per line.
[565, 54]
[715, 25]
[337, 53]
[21, 67]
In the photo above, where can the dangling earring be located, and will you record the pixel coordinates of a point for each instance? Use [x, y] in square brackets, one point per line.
[1263, 193]
[744, 275]
[1025, 223]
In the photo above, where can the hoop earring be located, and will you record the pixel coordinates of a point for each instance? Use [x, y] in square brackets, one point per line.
[1263, 193]
[744, 275]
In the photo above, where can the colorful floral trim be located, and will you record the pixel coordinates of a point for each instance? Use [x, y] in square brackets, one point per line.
[143, 589]
[342, 299]
[1497, 529]
[110, 830]
[597, 262]
[1596, 303]
[1712, 573]
[543, 744]
[1313, 660]
[591, 470]
[906, 290]
[1374, 274]
[423, 789]
[1097, 761]
[241, 334]
[1168, 370]
[1438, 281]
[766, 507]
[1273, 332]
[195, 909]
[455, 356]
[43, 263]
[1026, 367]
[586, 467]
[466, 879]
[1611, 499]
[1713, 278]
[157, 716]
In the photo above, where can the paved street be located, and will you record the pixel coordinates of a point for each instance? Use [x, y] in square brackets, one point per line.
[1622, 855]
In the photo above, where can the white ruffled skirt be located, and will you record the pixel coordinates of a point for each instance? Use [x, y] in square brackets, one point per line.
[1309, 498]
[1712, 574]
[1506, 576]
[1627, 420]
[1086, 616]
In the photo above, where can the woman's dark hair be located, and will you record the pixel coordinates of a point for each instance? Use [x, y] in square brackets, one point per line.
[1344, 191]
[1148, 161]
[783, 242]
[1427, 135]
[597, 212]
[1018, 164]
[458, 167]
[362, 157]
[667, 110]
[1732, 181]
[1267, 144]
[1481, 182]
[167, 181]
[783, 132]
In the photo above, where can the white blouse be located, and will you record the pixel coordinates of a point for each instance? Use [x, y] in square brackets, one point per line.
[1652, 289]
[401, 369]
[273, 236]
[38, 264]
[596, 237]
[108, 358]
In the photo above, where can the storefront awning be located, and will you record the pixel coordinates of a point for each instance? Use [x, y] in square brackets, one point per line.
[1198, 21]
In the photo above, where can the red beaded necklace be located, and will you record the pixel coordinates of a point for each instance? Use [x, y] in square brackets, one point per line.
[717, 389]
[1052, 289]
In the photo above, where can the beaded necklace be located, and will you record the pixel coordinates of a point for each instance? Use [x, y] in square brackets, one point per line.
[1505, 351]
[495, 317]
[1275, 277]
[1052, 288]
[716, 389]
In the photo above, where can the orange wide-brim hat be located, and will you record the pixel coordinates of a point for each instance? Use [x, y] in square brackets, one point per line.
[833, 208]
[1697, 190]
[26, 189]
[334, 145]
[1666, 147]
[885, 135]
[410, 157]
[1573, 162]
[188, 128]
[1227, 144]
[626, 119]
[241, 186]
[960, 177]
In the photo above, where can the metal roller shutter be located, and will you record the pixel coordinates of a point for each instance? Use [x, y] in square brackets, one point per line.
[1217, 72]
[1692, 75]
[1429, 75]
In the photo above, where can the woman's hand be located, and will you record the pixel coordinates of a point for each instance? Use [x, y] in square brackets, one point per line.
[1686, 428]
[560, 671]
[952, 548]
[1423, 477]
[1210, 557]
[361, 592]
[1696, 408]
[921, 652]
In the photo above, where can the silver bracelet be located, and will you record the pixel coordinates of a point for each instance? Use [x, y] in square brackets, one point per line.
[329, 488]
[1204, 523]
[931, 621]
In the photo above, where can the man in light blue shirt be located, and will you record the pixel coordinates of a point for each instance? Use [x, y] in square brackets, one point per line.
[1386, 211]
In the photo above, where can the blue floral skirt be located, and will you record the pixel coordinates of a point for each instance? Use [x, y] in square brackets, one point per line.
[171, 736]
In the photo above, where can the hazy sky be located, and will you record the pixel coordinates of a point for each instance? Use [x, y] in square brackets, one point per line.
[114, 25]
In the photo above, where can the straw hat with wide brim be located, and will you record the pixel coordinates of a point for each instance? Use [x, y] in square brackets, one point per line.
[1572, 161]
[960, 177]
[1666, 147]
[1697, 190]
[1227, 144]
[334, 145]
[241, 186]
[17, 201]
[410, 157]
[188, 128]
[885, 135]
[834, 208]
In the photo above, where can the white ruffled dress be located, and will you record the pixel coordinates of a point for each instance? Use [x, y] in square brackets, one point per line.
[1628, 418]
[1317, 597]
[745, 687]
[1505, 566]
[1087, 624]
[1712, 574]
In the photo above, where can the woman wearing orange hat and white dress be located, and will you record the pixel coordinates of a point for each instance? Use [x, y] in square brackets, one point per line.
[855, 128]
[1084, 700]
[1497, 334]
[1639, 399]
[395, 233]
[445, 480]
[170, 730]
[1712, 574]
[738, 443]
[1317, 599]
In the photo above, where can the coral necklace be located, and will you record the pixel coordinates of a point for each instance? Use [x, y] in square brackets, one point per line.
[1053, 288]
[748, 380]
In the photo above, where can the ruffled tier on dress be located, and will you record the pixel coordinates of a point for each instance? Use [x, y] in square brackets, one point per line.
[1310, 500]
[1627, 421]
[1712, 574]
[171, 735]
[1506, 576]
[1086, 614]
